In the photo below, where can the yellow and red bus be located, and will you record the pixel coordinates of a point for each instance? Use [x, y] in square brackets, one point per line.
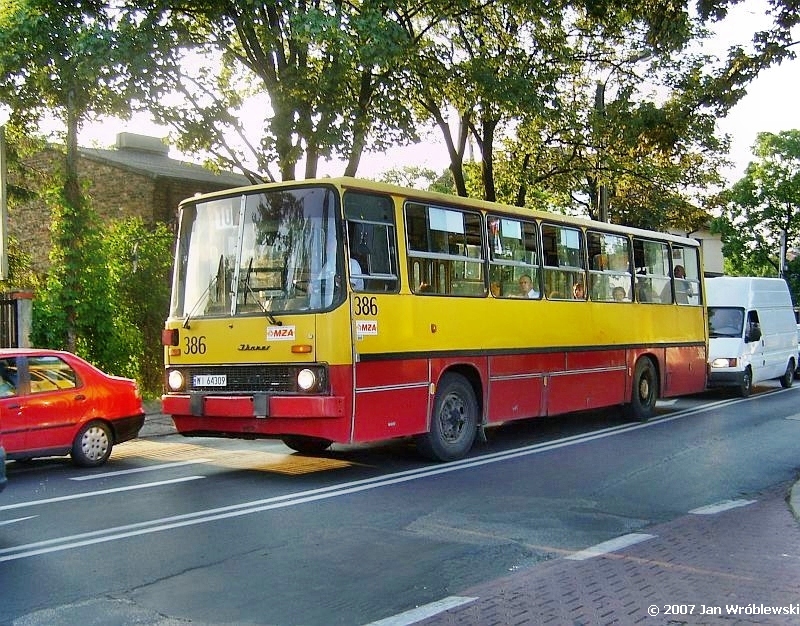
[347, 311]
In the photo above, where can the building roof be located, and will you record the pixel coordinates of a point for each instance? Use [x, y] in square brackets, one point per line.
[150, 156]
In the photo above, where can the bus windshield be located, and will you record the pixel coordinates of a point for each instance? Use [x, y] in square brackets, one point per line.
[725, 321]
[263, 252]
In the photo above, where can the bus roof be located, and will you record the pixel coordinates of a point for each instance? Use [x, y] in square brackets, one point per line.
[444, 200]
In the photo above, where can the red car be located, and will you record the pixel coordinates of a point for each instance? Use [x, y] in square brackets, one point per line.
[54, 403]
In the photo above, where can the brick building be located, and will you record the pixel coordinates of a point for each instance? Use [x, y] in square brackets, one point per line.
[135, 178]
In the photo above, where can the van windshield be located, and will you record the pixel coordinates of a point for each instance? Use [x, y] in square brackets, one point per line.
[725, 321]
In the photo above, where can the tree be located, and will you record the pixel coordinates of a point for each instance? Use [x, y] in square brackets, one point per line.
[73, 61]
[139, 262]
[763, 208]
[328, 70]
[489, 66]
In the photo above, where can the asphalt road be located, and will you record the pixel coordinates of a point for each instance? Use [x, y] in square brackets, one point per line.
[181, 530]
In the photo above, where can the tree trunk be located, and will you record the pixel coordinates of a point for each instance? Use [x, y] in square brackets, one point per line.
[72, 196]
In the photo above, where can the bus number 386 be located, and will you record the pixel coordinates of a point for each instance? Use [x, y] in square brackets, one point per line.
[365, 305]
[196, 345]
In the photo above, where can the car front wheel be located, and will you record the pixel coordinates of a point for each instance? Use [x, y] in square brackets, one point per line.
[92, 445]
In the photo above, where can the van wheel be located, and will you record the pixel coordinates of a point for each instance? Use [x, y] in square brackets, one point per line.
[644, 393]
[788, 376]
[746, 386]
[454, 422]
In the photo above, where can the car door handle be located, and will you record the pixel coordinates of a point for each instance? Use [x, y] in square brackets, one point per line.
[80, 397]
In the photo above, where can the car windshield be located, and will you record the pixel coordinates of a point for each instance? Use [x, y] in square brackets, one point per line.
[259, 252]
[725, 321]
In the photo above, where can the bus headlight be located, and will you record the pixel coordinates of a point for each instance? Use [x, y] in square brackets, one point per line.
[306, 379]
[175, 381]
[723, 363]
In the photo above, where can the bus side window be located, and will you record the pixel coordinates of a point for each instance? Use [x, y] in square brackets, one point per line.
[371, 242]
[564, 261]
[445, 250]
[686, 275]
[609, 266]
[652, 262]
[513, 255]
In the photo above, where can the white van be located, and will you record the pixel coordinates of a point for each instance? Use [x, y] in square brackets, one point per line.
[752, 332]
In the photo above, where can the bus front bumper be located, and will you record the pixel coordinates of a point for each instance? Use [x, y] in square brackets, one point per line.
[254, 406]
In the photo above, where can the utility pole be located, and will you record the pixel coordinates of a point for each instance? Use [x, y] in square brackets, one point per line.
[602, 191]
[3, 207]
[782, 256]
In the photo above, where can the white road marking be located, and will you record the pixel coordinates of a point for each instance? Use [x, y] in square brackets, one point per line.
[612, 545]
[136, 470]
[725, 505]
[293, 499]
[423, 612]
[14, 521]
[90, 494]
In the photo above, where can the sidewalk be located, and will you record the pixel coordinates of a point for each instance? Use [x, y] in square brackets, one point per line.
[737, 566]
[156, 424]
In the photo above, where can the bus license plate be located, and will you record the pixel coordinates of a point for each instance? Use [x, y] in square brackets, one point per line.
[210, 380]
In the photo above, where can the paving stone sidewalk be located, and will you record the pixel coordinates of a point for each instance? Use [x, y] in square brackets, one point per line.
[730, 567]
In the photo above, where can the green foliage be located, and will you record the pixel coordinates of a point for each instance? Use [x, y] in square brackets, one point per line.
[763, 207]
[111, 288]
[139, 264]
[74, 311]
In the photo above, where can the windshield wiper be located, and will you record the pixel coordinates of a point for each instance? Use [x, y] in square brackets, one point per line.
[248, 289]
[211, 284]
[191, 312]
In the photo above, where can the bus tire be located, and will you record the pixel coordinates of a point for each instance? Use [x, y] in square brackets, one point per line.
[746, 384]
[644, 392]
[788, 376]
[454, 422]
[306, 445]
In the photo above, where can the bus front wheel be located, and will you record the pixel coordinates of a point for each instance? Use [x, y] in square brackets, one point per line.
[306, 445]
[645, 390]
[454, 422]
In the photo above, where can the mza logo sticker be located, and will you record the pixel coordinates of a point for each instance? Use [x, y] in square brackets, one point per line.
[366, 327]
[280, 333]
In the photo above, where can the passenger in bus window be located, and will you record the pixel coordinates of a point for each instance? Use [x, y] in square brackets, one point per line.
[494, 288]
[683, 289]
[645, 291]
[526, 288]
[578, 292]
[355, 268]
[618, 293]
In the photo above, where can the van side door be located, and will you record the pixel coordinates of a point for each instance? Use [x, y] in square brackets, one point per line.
[754, 346]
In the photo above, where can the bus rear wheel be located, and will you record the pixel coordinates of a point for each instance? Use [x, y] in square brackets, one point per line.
[306, 445]
[644, 393]
[454, 422]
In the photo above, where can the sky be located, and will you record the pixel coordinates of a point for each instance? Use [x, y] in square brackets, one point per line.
[770, 106]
